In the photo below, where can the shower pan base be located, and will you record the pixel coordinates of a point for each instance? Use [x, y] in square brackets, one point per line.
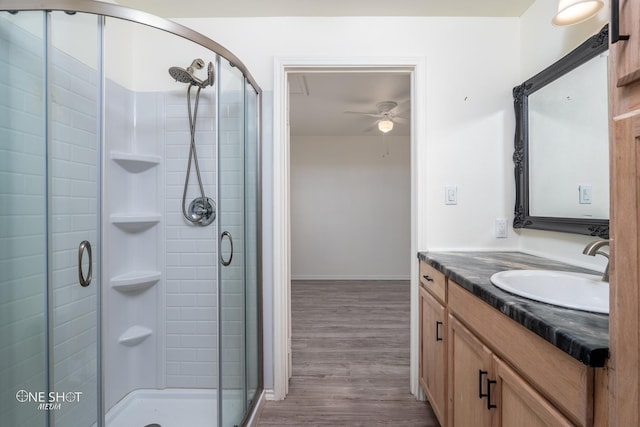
[173, 408]
[168, 408]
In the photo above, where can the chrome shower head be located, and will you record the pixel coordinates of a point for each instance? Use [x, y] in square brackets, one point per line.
[187, 75]
[181, 75]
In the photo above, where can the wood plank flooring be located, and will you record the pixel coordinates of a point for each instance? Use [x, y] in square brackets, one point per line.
[350, 343]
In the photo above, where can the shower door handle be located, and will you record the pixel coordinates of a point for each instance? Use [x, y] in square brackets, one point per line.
[84, 280]
[222, 260]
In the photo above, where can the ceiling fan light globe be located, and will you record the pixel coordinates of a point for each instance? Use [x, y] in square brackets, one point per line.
[385, 126]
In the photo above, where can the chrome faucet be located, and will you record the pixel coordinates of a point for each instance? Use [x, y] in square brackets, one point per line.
[593, 249]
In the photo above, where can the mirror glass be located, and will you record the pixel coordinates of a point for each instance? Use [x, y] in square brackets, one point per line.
[568, 144]
[562, 144]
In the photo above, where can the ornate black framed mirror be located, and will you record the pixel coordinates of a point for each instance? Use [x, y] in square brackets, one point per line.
[561, 152]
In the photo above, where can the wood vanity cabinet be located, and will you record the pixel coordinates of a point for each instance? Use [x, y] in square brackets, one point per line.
[518, 404]
[485, 391]
[433, 339]
[627, 61]
[487, 370]
[624, 322]
[469, 370]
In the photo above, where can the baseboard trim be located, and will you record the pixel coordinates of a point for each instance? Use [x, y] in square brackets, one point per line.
[269, 394]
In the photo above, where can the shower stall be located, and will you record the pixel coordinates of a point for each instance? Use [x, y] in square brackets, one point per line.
[130, 290]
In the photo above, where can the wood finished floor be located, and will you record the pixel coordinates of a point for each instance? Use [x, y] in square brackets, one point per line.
[350, 343]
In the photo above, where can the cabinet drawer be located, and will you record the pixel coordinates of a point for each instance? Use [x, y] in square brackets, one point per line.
[433, 281]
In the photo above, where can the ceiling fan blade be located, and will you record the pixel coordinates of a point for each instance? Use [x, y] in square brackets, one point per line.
[399, 120]
[402, 107]
[362, 113]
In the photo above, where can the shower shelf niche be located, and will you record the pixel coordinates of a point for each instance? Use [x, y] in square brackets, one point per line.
[134, 162]
[136, 281]
[135, 222]
[134, 335]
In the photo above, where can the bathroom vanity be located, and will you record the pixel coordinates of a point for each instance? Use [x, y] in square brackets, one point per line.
[490, 358]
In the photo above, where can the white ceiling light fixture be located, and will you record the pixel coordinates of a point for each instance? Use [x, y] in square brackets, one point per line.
[386, 115]
[385, 124]
[572, 12]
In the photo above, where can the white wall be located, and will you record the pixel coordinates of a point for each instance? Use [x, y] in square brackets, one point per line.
[350, 207]
[541, 45]
[472, 64]
[133, 60]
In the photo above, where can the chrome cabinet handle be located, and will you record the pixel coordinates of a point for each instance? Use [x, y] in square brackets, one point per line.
[84, 246]
[227, 262]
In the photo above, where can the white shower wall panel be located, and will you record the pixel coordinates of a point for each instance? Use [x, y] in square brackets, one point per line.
[134, 128]
[191, 250]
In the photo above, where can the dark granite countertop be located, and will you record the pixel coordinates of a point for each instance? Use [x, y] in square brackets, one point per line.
[583, 335]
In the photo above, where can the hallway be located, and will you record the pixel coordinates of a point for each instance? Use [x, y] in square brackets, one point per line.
[350, 344]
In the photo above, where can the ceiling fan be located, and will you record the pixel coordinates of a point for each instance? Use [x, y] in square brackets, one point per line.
[386, 115]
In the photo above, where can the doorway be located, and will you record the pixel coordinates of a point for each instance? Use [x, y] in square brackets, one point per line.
[350, 181]
[282, 197]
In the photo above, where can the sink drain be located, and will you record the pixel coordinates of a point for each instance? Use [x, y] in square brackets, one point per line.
[153, 425]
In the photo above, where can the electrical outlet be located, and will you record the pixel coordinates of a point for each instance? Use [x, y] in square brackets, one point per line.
[501, 228]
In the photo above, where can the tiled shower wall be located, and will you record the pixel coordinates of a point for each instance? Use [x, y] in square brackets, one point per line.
[191, 250]
[185, 307]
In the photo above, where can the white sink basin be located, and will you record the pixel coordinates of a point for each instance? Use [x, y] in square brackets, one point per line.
[579, 291]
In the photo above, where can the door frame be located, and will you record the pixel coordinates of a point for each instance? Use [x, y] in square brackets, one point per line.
[416, 67]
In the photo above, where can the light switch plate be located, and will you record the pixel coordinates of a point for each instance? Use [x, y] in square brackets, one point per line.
[585, 194]
[450, 195]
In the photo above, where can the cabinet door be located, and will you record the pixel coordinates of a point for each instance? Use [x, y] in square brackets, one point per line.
[627, 52]
[469, 370]
[517, 404]
[625, 268]
[433, 353]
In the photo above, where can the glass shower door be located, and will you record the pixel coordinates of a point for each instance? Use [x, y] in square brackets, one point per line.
[252, 267]
[23, 218]
[74, 133]
[231, 298]
[49, 218]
